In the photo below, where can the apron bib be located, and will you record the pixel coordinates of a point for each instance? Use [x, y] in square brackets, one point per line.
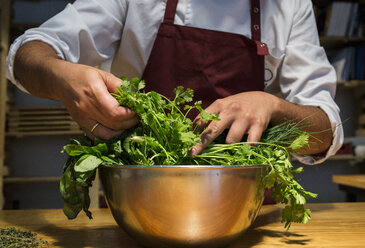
[214, 64]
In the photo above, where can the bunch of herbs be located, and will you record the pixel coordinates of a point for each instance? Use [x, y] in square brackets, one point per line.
[165, 135]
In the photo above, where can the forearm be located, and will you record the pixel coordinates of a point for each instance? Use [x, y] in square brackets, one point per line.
[319, 124]
[35, 67]
[84, 90]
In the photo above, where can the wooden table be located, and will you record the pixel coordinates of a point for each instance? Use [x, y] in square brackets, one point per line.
[353, 185]
[332, 225]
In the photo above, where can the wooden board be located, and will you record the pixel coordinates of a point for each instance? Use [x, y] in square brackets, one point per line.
[356, 181]
[333, 225]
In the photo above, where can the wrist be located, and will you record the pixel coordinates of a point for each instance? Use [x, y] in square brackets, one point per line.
[58, 71]
[279, 110]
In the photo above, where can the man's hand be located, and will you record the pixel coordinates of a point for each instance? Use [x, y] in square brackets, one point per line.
[251, 112]
[84, 90]
[86, 95]
[245, 113]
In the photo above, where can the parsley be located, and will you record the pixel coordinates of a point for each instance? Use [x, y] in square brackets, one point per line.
[165, 135]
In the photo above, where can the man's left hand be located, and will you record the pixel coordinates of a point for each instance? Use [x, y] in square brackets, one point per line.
[244, 113]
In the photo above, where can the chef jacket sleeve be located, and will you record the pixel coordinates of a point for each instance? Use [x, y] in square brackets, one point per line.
[85, 32]
[306, 76]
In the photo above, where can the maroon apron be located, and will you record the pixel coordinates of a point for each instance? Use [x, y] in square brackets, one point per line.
[214, 64]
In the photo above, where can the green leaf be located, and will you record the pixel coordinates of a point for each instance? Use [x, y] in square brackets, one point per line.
[298, 170]
[206, 116]
[299, 142]
[116, 148]
[87, 163]
[71, 210]
[141, 85]
[73, 150]
[189, 137]
[270, 179]
[108, 160]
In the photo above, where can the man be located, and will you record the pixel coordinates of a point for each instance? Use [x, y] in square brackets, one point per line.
[229, 52]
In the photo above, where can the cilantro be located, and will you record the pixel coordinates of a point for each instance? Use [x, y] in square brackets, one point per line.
[165, 135]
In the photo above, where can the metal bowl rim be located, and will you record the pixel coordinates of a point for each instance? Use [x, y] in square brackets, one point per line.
[183, 166]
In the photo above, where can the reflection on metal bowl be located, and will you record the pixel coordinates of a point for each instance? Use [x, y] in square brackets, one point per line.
[184, 206]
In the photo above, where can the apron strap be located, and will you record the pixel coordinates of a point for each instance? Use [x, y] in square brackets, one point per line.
[170, 11]
[256, 27]
[255, 20]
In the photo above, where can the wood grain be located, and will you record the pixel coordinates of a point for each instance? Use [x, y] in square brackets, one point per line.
[356, 181]
[332, 225]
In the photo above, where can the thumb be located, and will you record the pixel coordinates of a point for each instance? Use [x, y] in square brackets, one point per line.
[112, 82]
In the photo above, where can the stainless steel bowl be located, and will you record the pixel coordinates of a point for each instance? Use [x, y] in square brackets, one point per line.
[184, 206]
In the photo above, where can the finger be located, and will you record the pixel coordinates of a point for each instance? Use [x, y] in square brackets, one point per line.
[98, 130]
[125, 124]
[254, 133]
[109, 107]
[215, 107]
[112, 82]
[236, 132]
[118, 113]
[110, 114]
[105, 133]
[199, 124]
[214, 129]
[122, 118]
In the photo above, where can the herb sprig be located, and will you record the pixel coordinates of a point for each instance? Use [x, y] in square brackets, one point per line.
[165, 135]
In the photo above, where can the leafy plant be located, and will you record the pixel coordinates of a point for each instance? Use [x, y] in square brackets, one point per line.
[165, 135]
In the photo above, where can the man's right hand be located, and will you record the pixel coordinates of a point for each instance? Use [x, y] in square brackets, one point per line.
[86, 94]
[84, 90]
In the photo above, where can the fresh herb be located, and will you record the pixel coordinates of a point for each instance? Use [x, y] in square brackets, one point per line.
[165, 135]
[12, 237]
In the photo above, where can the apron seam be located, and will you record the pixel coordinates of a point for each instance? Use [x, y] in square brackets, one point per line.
[246, 41]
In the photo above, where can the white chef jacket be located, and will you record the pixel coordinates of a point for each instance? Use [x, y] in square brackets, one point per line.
[121, 33]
